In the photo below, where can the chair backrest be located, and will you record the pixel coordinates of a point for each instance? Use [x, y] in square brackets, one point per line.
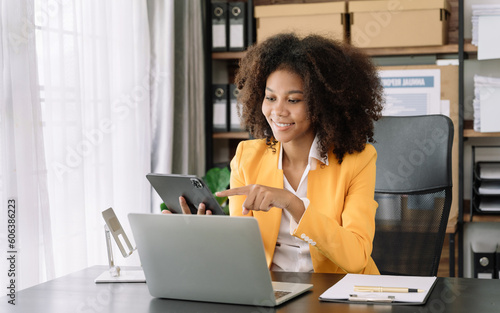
[413, 190]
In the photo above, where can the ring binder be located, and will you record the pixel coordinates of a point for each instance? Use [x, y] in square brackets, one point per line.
[219, 26]
[220, 107]
[237, 26]
[235, 122]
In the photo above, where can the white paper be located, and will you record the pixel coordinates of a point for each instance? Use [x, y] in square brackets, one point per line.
[219, 36]
[345, 287]
[488, 42]
[491, 204]
[489, 188]
[489, 171]
[236, 36]
[445, 107]
[486, 103]
[235, 119]
[219, 115]
[411, 92]
[481, 10]
[490, 109]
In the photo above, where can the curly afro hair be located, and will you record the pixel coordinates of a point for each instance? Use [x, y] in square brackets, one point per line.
[341, 88]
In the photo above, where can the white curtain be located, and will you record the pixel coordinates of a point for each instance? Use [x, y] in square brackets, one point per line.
[90, 105]
[95, 82]
[24, 221]
[161, 17]
[78, 141]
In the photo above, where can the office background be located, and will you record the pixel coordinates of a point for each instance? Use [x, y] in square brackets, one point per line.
[115, 87]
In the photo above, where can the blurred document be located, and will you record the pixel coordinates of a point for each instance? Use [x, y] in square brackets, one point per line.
[411, 92]
[488, 43]
[485, 24]
[486, 103]
[490, 109]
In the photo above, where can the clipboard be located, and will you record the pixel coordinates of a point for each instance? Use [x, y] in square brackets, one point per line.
[343, 290]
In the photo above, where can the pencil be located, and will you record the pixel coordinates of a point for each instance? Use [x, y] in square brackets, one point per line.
[385, 289]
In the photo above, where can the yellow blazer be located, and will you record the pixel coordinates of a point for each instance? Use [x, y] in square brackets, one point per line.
[339, 223]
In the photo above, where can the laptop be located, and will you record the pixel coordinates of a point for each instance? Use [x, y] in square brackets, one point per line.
[171, 186]
[207, 258]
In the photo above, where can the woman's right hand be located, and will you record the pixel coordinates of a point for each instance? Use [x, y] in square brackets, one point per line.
[185, 208]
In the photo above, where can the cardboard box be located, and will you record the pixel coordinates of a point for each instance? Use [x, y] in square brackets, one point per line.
[399, 23]
[325, 19]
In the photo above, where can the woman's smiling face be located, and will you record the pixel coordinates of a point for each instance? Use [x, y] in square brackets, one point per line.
[285, 109]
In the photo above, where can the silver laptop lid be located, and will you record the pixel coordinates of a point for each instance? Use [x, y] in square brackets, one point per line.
[203, 258]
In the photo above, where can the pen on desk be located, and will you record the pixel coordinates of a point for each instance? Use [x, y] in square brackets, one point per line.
[385, 289]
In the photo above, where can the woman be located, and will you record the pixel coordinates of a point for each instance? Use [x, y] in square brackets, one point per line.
[310, 178]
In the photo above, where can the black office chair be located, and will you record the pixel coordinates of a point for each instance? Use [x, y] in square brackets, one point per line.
[413, 190]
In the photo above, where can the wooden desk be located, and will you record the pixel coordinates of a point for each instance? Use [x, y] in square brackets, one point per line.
[78, 293]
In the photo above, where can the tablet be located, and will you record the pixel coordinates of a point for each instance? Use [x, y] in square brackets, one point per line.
[171, 186]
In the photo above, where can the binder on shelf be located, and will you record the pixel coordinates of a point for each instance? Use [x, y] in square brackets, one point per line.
[220, 107]
[219, 26]
[251, 31]
[484, 255]
[237, 26]
[235, 121]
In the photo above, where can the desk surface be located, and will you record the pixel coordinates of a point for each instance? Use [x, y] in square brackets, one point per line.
[77, 292]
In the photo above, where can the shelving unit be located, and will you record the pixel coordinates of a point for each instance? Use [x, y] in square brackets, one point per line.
[468, 53]
[227, 55]
[374, 52]
[229, 59]
[231, 135]
[469, 132]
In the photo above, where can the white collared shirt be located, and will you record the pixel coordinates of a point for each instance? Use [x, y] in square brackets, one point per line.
[291, 253]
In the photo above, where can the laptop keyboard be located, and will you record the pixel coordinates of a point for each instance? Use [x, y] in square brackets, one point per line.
[280, 293]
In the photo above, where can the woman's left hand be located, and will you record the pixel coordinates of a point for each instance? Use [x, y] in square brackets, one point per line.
[263, 198]
[185, 208]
